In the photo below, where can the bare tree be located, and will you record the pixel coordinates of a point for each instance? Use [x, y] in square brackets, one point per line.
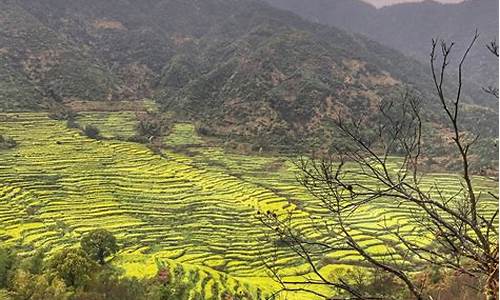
[450, 230]
[493, 48]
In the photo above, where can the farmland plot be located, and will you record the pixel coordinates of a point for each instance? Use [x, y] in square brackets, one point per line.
[195, 210]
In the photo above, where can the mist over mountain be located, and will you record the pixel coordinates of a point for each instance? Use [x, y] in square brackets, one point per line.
[382, 3]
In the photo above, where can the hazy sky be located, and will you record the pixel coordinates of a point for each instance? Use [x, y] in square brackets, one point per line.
[379, 3]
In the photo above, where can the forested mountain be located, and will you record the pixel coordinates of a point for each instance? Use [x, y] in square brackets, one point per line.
[409, 27]
[240, 68]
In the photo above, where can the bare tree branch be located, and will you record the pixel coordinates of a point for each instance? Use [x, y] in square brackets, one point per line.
[455, 232]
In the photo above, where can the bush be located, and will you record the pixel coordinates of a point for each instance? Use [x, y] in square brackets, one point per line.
[446, 285]
[7, 260]
[32, 210]
[152, 125]
[92, 132]
[61, 113]
[203, 131]
[37, 287]
[138, 139]
[71, 123]
[375, 283]
[111, 285]
[7, 143]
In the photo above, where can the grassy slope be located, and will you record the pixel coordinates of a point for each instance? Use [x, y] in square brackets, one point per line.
[196, 209]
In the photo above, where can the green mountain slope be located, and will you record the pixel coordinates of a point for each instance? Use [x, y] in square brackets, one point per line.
[409, 27]
[240, 68]
[48, 67]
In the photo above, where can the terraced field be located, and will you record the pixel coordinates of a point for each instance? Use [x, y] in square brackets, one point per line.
[194, 209]
[118, 124]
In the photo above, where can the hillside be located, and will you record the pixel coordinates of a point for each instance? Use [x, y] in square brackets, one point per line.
[409, 27]
[242, 70]
[43, 64]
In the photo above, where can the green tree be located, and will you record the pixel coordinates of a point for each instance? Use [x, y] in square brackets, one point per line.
[109, 284]
[99, 244]
[73, 266]
[7, 259]
[33, 264]
[170, 291]
[43, 288]
[21, 285]
[25, 285]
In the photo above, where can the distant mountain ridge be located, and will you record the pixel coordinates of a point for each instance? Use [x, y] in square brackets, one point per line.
[409, 27]
[381, 3]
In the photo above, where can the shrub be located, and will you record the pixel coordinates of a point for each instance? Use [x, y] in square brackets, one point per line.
[177, 290]
[138, 139]
[203, 130]
[7, 260]
[375, 283]
[61, 113]
[446, 285]
[32, 210]
[92, 132]
[152, 125]
[71, 123]
[109, 284]
[7, 142]
[37, 287]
